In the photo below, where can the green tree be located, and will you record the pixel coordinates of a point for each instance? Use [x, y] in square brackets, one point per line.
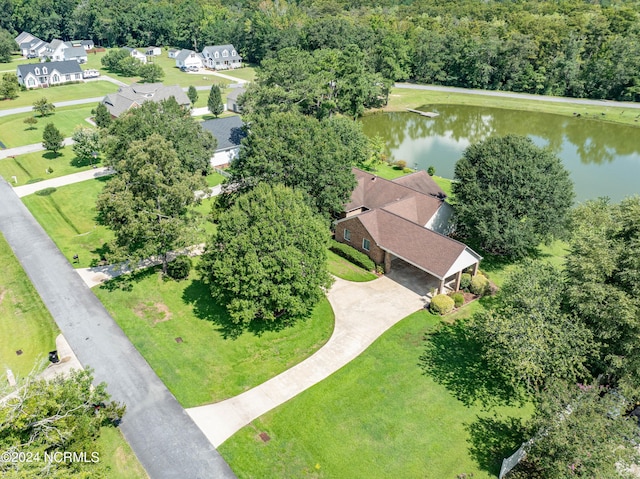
[304, 153]
[52, 138]
[111, 60]
[267, 260]
[192, 93]
[528, 335]
[43, 107]
[147, 203]
[86, 144]
[214, 103]
[9, 87]
[580, 431]
[7, 46]
[102, 116]
[194, 145]
[603, 271]
[150, 72]
[511, 195]
[30, 121]
[56, 416]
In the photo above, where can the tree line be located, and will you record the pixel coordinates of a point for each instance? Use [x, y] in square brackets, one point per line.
[564, 48]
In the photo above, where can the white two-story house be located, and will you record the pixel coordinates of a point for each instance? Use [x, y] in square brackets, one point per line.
[37, 75]
[221, 57]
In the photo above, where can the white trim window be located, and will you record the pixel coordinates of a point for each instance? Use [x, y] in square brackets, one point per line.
[347, 234]
[31, 82]
[44, 70]
[55, 78]
[366, 244]
[37, 71]
[216, 55]
[225, 53]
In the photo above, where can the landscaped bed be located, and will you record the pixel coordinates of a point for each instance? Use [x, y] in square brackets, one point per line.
[189, 341]
[380, 416]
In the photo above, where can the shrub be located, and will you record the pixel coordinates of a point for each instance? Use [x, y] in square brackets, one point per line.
[431, 170]
[46, 191]
[480, 285]
[465, 281]
[353, 255]
[179, 268]
[407, 170]
[441, 304]
[401, 164]
[458, 299]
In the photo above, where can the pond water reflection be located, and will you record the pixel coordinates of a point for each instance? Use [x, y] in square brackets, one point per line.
[603, 158]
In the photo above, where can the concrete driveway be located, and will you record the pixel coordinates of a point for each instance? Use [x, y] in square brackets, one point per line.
[363, 311]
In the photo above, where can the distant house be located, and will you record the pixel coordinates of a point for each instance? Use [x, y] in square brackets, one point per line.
[229, 132]
[232, 99]
[221, 57]
[188, 58]
[173, 52]
[57, 51]
[78, 54]
[136, 54]
[404, 222]
[153, 51]
[134, 95]
[35, 75]
[86, 44]
[30, 45]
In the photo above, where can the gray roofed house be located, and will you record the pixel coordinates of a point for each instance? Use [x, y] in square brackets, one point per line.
[136, 54]
[78, 54]
[134, 95]
[229, 132]
[30, 46]
[35, 75]
[404, 222]
[221, 57]
[173, 52]
[87, 44]
[188, 58]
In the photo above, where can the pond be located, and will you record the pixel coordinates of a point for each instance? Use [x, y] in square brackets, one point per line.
[602, 158]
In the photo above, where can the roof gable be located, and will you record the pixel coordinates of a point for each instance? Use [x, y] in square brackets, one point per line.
[137, 93]
[228, 131]
[66, 67]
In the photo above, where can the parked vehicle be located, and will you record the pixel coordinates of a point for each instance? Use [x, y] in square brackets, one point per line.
[90, 74]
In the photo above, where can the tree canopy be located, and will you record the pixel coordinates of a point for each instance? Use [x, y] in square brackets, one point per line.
[304, 153]
[267, 259]
[214, 102]
[9, 87]
[511, 195]
[193, 145]
[146, 203]
[43, 107]
[52, 138]
[7, 46]
[86, 144]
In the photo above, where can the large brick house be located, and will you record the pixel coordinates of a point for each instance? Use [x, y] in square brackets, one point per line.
[405, 220]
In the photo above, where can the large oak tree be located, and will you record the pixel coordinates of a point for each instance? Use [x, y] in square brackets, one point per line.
[511, 195]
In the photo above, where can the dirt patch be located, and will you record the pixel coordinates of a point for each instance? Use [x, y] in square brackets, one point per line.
[2, 293]
[153, 313]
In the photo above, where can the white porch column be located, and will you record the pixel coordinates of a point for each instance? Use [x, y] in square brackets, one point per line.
[458, 278]
[475, 268]
[441, 289]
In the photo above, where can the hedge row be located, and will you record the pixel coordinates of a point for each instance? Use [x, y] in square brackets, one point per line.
[353, 255]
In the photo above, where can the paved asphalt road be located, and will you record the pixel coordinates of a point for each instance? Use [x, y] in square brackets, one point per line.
[523, 96]
[162, 435]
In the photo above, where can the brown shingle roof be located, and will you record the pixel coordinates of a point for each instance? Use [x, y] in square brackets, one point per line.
[424, 248]
[422, 182]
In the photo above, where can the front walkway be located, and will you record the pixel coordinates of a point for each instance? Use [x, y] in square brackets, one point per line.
[25, 190]
[363, 311]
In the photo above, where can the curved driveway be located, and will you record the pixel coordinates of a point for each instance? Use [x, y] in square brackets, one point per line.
[163, 437]
[363, 311]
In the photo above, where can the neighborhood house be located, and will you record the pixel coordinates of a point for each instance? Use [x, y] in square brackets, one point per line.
[134, 95]
[37, 75]
[221, 57]
[232, 99]
[228, 132]
[188, 58]
[405, 221]
[136, 54]
[56, 50]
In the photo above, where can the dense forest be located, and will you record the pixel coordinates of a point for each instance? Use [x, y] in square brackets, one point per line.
[566, 47]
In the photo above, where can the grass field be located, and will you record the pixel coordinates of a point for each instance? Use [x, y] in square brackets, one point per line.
[25, 323]
[33, 167]
[116, 456]
[56, 94]
[209, 364]
[246, 73]
[68, 215]
[402, 98]
[380, 416]
[13, 132]
[340, 267]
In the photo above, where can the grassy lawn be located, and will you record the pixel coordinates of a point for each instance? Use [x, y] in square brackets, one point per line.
[401, 99]
[60, 93]
[208, 365]
[13, 132]
[340, 267]
[68, 215]
[25, 323]
[244, 73]
[380, 416]
[116, 456]
[32, 167]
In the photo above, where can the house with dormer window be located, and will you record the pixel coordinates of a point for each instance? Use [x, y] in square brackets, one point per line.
[188, 58]
[221, 57]
[38, 75]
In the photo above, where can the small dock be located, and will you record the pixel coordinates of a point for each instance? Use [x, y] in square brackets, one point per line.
[429, 114]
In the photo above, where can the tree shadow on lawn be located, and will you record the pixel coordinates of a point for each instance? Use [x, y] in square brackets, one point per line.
[492, 439]
[205, 307]
[50, 155]
[454, 358]
[125, 282]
